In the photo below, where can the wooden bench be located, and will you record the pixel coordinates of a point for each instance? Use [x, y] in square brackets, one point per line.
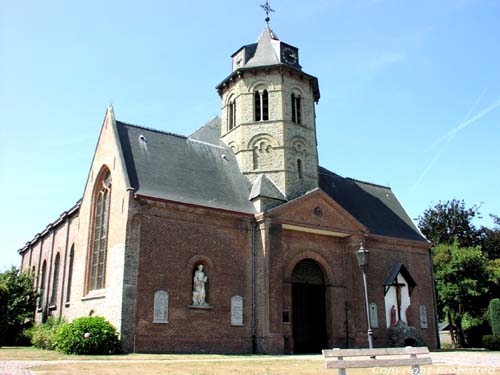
[342, 359]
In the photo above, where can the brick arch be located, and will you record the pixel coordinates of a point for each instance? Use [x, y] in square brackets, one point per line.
[330, 278]
[206, 261]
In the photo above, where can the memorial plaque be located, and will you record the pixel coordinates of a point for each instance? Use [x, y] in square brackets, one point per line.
[161, 307]
[423, 317]
[236, 311]
[373, 315]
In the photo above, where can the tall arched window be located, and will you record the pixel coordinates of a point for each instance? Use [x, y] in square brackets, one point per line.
[100, 232]
[42, 283]
[296, 110]
[257, 106]
[55, 281]
[231, 108]
[261, 106]
[265, 106]
[70, 273]
[300, 169]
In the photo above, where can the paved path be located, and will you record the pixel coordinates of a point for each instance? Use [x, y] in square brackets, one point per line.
[463, 358]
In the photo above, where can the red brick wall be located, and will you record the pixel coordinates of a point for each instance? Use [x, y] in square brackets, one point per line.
[172, 243]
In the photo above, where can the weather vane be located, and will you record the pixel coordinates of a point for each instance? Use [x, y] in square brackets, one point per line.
[267, 8]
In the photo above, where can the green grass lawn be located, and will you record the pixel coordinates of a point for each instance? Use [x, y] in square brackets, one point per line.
[195, 364]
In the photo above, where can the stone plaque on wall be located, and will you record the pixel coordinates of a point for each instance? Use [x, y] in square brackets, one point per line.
[236, 311]
[423, 317]
[373, 315]
[161, 307]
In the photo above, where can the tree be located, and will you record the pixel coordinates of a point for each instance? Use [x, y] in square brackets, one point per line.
[451, 221]
[491, 239]
[17, 303]
[462, 285]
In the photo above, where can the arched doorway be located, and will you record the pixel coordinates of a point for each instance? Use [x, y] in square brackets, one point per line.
[308, 307]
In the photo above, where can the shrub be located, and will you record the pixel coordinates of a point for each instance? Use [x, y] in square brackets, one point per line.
[494, 316]
[43, 335]
[88, 335]
[491, 342]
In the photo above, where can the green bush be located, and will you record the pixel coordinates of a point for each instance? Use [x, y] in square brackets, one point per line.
[88, 335]
[491, 342]
[43, 335]
[494, 316]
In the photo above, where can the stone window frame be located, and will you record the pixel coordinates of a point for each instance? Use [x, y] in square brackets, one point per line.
[231, 112]
[256, 143]
[300, 150]
[296, 100]
[97, 253]
[54, 292]
[42, 289]
[261, 104]
[71, 261]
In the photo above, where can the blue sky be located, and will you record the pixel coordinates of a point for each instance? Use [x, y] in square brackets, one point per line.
[410, 91]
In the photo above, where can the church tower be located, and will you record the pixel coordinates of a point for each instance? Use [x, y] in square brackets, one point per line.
[268, 118]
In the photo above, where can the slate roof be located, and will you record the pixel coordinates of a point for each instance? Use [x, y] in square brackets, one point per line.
[375, 206]
[201, 170]
[267, 51]
[265, 187]
[188, 170]
[396, 269]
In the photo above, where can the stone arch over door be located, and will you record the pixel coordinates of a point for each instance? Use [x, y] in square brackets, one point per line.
[309, 306]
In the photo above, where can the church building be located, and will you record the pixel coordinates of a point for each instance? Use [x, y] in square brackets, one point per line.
[234, 239]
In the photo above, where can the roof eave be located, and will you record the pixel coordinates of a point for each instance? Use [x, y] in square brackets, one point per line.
[238, 73]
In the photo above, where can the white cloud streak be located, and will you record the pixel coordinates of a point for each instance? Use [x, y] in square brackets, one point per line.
[453, 133]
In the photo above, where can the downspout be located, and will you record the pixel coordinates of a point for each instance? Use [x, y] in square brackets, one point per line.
[434, 301]
[254, 339]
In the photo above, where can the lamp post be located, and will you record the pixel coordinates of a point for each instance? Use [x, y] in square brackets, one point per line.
[362, 255]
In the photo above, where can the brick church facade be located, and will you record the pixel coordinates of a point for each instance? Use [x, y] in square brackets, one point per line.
[245, 198]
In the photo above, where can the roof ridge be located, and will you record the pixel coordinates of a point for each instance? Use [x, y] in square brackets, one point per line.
[49, 226]
[205, 124]
[151, 129]
[327, 171]
[368, 183]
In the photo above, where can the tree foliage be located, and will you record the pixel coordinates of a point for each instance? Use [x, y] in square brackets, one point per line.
[17, 304]
[494, 315]
[491, 239]
[451, 221]
[462, 284]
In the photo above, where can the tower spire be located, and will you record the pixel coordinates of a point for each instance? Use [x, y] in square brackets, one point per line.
[267, 8]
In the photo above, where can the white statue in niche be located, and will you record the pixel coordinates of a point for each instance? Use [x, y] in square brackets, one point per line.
[199, 281]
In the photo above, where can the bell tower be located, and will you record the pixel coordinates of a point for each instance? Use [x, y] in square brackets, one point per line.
[268, 116]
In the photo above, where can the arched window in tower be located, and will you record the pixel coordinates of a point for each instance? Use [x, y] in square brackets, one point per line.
[257, 106]
[231, 108]
[261, 105]
[300, 170]
[296, 110]
[265, 106]
[55, 281]
[99, 232]
[262, 154]
[70, 273]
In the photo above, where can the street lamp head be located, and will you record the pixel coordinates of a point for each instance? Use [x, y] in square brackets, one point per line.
[362, 255]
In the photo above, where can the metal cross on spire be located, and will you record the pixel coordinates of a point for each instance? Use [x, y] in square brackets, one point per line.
[267, 8]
